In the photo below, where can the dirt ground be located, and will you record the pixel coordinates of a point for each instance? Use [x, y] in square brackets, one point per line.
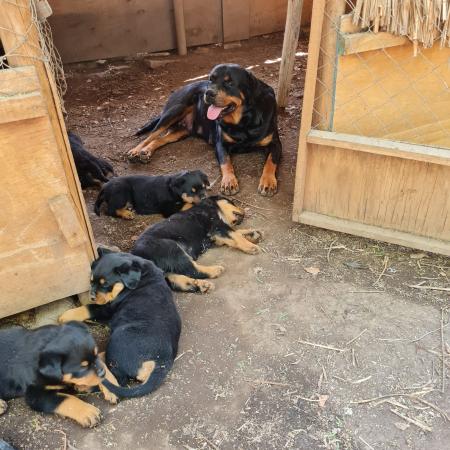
[295, 346]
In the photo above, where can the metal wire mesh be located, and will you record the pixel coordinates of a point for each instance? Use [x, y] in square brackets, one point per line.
[384, 70]
[34, 42]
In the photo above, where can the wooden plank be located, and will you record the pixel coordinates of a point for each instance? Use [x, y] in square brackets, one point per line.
[86, 30]
[308, 104]
[19, 80]
[290, 43]
[377, 233]
[267, 16]
[203, 21]
[16, 15]
[380, 147]
[21, 107]
[383, 191]
[325, 91]
[180, 27]
[395, 95]
[68, 224]
[363, 42]
[236, 20]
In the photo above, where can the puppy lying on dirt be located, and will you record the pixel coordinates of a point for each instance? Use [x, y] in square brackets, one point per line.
[92, 171]
[176, 243]
[132, 296]
[45, 364]
[165, 194]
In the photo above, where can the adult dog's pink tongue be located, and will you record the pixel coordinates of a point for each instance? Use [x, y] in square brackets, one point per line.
[213, 112]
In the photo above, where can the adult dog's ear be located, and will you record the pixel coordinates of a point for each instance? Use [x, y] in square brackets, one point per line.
[130, 274]
[50, 366]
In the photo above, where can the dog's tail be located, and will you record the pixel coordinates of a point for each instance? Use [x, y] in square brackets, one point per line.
[154, 381]
[99, 201]
[149, 126]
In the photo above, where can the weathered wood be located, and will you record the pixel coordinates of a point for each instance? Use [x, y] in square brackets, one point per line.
[15, 15]
[236, 20]
[363, 42]
[180, 27]
[325, 91]
[377, 233]
[347, 25]
[308, 105]
[290, 43]
[378, 146]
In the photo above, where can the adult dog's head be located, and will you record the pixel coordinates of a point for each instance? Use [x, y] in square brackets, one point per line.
[230, 85]
[71, 357]
[190, 186]
[112, 273]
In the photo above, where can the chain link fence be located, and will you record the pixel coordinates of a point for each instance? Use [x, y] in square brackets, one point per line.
[384, 70]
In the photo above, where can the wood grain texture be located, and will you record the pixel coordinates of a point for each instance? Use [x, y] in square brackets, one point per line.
[236, 20]
[363, 42]
[382, 191]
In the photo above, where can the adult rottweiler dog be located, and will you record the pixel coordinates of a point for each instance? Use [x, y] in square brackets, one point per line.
[92, 171]
[45, 364]
[174, 244]
[132, 296]
[165, 194]
[233, 110]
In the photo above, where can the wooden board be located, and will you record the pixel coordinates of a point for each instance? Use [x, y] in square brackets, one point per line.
[392, 94]
[203, 21]
[91, 29]
[236, 20]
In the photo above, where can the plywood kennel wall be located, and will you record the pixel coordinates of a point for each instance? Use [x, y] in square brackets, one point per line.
[46, 243]
[374, 148]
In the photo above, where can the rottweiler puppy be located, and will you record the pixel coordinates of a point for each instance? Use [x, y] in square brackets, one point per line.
[233, 111]
[132, 296]
[175, 244]
[45, 364]
[165, 194]
[92, 171]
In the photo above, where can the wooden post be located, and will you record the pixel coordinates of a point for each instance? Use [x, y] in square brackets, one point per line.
[325, 91]
[291, 34]
[180, 27]
[15, 23]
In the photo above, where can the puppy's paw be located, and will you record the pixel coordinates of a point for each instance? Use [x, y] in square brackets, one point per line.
[268, 185]
[126, 214]
[251, 249]
[3, 406]
[79, 314]
[215, 271]
[89, 416]
[204, 286]
[254, 236]
[108, 396]
[229, 185]
[145, 155]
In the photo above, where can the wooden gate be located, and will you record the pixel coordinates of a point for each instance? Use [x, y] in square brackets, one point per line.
[46, 243]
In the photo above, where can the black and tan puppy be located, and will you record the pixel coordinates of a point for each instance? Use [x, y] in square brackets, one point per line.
[233, 111]
[165, 194]
[174, 244]
[132, 296]
[92, 171]
[45, 364]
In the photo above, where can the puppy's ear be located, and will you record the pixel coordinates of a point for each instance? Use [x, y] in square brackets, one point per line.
[130, 274]
[50, 366]
[103, 251]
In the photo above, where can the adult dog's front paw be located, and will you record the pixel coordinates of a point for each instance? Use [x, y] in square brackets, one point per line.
[268, 185]
[229, 184]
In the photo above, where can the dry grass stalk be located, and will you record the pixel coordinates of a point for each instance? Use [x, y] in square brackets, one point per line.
[415, 422]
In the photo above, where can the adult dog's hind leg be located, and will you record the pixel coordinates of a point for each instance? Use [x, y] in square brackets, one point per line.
[168, 118]
[187, 284]
[171, 136]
